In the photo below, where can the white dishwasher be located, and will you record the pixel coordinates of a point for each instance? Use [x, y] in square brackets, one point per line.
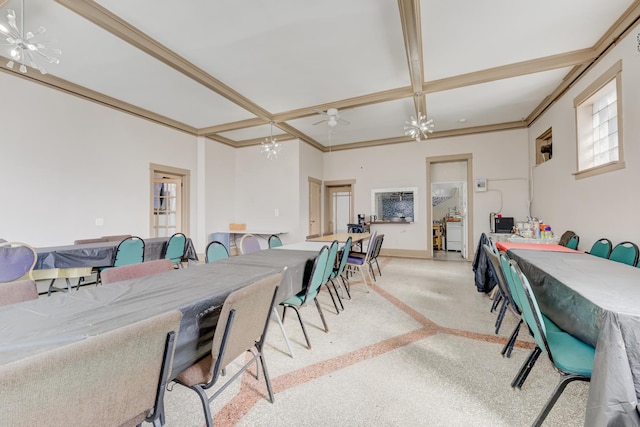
[454, 236]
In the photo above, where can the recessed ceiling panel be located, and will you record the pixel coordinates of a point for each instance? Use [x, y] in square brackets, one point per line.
[284, 54]
[502, 101]
[469, 35]
[372, 122]
[95, 59]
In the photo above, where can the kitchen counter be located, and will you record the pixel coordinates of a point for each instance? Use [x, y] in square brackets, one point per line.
[391, 222]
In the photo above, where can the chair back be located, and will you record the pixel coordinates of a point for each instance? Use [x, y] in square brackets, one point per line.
[116, 237]
[249, 244]
[573, 242]
[377, 247]
[626, 253]
[141, 269]
[331, 261]
[16, 261]
[506, 271]
[601, 248]
[175, 248]
[15, 292]
[243, 321]
[566, 236]
[120, 375]
[215, 250]
[129, 251]
[343, 259]
[530, 310]
[95, 240]
[274, 241]
[317, 275]
[371, 245]
[494, 263]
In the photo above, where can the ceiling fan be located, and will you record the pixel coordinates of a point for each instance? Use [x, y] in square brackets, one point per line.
[332, 117]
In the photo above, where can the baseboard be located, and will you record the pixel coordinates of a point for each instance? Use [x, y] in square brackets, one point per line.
[405, 253]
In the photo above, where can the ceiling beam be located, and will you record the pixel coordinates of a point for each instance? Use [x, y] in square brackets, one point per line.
[412, 33]
[517, 69]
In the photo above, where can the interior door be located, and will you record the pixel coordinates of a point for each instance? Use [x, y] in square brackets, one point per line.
[167, 202]
[315, 200]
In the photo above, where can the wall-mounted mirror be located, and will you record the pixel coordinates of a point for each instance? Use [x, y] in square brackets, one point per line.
[394, 204]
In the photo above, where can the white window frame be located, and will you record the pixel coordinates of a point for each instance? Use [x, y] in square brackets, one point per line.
[583, 105]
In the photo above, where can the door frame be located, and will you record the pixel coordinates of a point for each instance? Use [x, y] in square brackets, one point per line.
[327, 203]
[185, 176]
[312, 180]
[465, 157]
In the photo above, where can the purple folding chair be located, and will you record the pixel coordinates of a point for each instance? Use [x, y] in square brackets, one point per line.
[16, 261]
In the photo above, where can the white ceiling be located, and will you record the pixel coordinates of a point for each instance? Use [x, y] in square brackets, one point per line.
[226, 68]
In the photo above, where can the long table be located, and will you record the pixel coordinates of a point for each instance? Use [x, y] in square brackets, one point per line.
[99, 254]
[506, 246]
[198, 292]
[598, 301]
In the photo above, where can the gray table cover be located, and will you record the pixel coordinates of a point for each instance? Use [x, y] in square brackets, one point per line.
[598, 301]
[198, 292]
[99, 254]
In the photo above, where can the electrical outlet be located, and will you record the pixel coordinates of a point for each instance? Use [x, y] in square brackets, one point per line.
[99, 222]
[277, 212]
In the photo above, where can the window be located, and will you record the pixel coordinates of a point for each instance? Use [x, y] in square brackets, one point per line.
[598, 120]
[544, 147]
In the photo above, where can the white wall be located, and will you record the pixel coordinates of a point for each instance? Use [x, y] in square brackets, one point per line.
[264, 185]
[311, 165]
[219, 186]
[600, 206]
[501, 157]
[66, 162]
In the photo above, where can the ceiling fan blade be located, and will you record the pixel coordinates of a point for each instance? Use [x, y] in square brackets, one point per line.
[321, 121]
[343, 121]
[321, 112]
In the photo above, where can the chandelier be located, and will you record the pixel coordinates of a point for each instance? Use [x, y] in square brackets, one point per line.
[419, 128]
[270, 146]
[25, 48]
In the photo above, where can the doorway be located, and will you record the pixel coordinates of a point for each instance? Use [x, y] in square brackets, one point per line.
[338, 206]
[449, 207]
[169, 201]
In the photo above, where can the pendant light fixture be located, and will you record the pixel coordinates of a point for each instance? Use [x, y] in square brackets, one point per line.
[270, 147]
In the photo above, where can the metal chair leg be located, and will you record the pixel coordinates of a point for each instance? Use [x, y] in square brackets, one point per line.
[526, 367]
[554, 397]
[284, 334]
[508, 347]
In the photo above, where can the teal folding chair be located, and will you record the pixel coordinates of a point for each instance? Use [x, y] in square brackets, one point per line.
[570, 356]
[626, 253]
[339, 271]
[505, 269]
[129, 251]
[601, 248]
[215, 250]
[274, 241]
[310, 293]
[175, 248]
[573, 242]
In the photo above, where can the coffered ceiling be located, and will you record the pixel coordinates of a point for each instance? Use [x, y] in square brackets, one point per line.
[226, 69]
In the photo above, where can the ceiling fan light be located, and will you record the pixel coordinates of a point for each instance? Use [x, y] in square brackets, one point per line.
[332, 122]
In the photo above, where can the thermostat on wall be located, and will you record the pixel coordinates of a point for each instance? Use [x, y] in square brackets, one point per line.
[481, 184]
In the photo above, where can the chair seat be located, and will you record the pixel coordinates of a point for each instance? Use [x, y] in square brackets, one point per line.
[298, 299]
[355, 260]
[570, 354]
[550, 326]
[198, 373]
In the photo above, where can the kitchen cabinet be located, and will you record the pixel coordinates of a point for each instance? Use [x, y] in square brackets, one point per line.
[454, 236]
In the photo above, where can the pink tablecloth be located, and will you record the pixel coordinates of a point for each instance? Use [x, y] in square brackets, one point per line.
[505, 246]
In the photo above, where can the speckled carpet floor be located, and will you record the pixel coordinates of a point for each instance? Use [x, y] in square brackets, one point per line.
[418, 349]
